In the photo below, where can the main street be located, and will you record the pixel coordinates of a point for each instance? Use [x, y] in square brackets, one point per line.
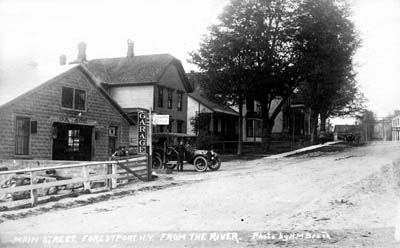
[351, 194]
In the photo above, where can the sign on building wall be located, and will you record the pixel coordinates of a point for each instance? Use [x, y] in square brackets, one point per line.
[142, 132]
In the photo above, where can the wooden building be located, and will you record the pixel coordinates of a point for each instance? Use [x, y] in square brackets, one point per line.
[66, 116]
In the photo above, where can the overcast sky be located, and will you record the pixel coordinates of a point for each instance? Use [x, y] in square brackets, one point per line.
[33, 33]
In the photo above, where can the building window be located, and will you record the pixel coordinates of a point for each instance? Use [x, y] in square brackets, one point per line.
[170, 93]
[161, 128]
[180, 101]
[112, 140]
[179, 127]
[249, 128]
[73, 98]
[160, 97]
[22, 135]
[170, 125]
[258, 128]
[253, 128]
[73, 140]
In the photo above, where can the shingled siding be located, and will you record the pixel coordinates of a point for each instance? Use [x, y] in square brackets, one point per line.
[171, 80]
[43, 105]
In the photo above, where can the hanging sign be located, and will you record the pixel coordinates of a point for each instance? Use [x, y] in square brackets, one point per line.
[142, 132]
[160, 119]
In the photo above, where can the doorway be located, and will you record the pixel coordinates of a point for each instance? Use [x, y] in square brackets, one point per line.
[72, 142]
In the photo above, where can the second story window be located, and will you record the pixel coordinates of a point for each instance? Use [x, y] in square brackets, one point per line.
[170, 95]
[180, 101]
[160, 97]
[73, 98]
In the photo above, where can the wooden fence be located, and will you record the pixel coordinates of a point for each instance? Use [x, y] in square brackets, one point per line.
[114, 172]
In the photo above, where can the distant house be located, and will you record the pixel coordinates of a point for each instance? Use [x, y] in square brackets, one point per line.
[61, 114]
[342, 131]
[396, 126]
[222, 121]
[293, 119]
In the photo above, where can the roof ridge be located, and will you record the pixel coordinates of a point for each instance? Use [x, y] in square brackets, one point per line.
[124, 57]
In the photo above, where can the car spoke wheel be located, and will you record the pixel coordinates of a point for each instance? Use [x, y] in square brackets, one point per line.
[200, 163]
[214, 164]
[157, 163]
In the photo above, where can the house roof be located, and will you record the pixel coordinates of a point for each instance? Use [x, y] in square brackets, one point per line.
[219, 108]
[35, 80]
[137, 70]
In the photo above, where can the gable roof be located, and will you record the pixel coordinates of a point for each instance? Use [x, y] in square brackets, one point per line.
[47, 76]
[215, 107]
[137, 70]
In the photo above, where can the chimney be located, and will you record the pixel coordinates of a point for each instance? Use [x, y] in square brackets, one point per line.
[63, 59]
[81, 52]
[131, 52]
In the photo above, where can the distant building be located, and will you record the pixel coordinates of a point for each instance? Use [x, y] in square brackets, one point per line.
[342, 131]
[293, 119]
[396, 126]
[222, 121]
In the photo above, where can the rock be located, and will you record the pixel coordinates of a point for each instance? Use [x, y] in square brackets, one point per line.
[65, 191]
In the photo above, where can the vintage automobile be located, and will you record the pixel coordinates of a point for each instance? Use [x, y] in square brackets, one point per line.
[165, 153]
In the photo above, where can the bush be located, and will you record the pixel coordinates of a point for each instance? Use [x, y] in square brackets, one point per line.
[204, 142]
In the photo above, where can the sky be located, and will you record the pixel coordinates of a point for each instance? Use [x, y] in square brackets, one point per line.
[34, 33]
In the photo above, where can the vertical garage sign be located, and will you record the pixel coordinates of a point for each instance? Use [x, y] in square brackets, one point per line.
[142, 132]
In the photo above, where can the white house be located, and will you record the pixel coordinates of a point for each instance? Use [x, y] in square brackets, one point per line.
[396, 127]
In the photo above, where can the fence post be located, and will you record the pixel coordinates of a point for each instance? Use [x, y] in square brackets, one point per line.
[108, 172]
[86, 182]
[149, 167]
[34, 196]
[114, 172]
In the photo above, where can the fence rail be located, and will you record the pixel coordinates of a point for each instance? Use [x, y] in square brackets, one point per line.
[115, 170]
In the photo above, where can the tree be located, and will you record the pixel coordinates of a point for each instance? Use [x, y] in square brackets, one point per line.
[326, 42]
[367, 120]
[201, 126]
[249, 55]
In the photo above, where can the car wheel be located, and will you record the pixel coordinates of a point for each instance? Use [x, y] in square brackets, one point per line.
[200, 163]
[214, 164]
[157, 163]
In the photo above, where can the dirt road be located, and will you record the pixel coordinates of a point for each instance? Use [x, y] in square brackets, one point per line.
[349, 194]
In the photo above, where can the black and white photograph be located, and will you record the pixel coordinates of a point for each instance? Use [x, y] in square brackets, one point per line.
[199, 123]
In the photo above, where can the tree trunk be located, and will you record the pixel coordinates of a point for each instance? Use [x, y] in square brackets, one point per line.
[240, 138]
[314, 125]
[266, 134]
[268, 122]
[323, 124]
